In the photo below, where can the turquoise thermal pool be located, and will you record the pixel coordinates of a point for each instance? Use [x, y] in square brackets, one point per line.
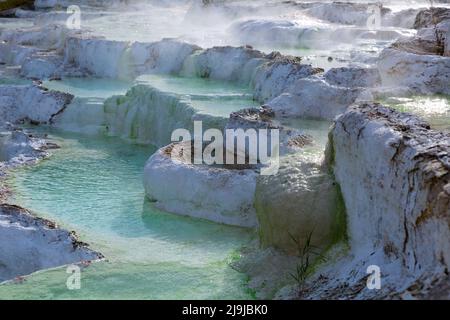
[217, 98]
[89, 87]
[94, 186]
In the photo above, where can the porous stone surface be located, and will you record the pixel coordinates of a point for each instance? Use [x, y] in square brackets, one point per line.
[316, 98]
[430, 17]
[214, 193]
[353, 77]
[30, 103]
[166, 56]
[17, 147]
[289, 140]
[223, 63]
[345, 12]
[422, 73]
[420, 63]
[392, 170]
[394, 173]
[85, 53]
[447, 44]
[278, 74]
[302, 198]
[28, 244]
[148, 115]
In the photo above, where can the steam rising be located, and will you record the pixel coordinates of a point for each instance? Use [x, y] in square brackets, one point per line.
[316, 30]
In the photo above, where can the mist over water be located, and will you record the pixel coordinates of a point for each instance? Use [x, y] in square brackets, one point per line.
[300, 28]
[93, 183]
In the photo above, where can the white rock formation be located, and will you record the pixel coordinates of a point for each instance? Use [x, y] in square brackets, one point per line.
[14, 54]
[315, 98]
[428, 18]
[423, 73]
[224, 63]
[289, 140]
[48, 37]
[83, 115]
[353, 77]
[28, 244]
[393, 171]
[268, 75]
[16, 147]
[408, 164]
[166, 56]
[301, 198]
[99, 57]
[124, 60]
[447, 46]
[24, 13]
[316, 34]
[344, 12]
[214, 193]
[394, 174]
[147, 115]
[277, 32]
[38, 50]
[54, 51]
[359, 14]
[45, 3]
[41, 65]
[228, 191]
[402, 19]
[30, 102]
[420, 63]
[276, 75]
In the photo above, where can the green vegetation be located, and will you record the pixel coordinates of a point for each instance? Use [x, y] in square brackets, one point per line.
[308, 256]
[11, 4]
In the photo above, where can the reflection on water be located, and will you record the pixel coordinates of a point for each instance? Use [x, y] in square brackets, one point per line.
[434, 109]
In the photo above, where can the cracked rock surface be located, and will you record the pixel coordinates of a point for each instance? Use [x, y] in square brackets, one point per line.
[398, 206]
[38, 244]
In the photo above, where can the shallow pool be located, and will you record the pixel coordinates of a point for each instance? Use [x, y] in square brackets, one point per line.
[434, 109]
[89, 87]
[213, 97]
[94, 186]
